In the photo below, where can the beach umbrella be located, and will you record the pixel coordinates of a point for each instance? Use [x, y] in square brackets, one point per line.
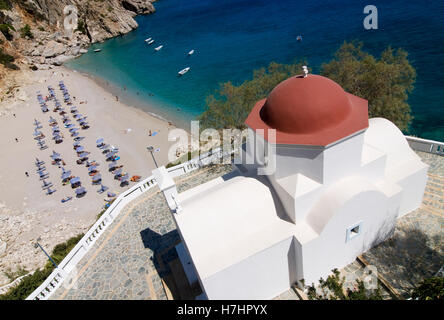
[110, 155]
[97, 177]
[69, 126]
[37, 133]
[79, 138]
[76, 144]
[74, 180]
[112, 165]
[80, 191]
[124, 178]
[83, 154]
[73, 130]
[92, 168]
[80, 148]
[99, 141]
[40, 170]
[36, 122]
[66, 175]
[55, 156]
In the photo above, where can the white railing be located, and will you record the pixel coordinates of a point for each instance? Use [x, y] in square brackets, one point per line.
[425, 145]
[49, 286]
[56, 278]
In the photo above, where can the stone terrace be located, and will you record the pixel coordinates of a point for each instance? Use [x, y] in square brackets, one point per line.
[132, 257]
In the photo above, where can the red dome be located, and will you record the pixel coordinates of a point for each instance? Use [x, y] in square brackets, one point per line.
[313, 110]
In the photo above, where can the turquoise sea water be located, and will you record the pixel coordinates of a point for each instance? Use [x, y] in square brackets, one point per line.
[232, 38]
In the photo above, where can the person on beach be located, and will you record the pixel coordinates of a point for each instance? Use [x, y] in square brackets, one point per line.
[117, 98]
[150, 133]
[16, 140]
[14, 115]
[26, 173]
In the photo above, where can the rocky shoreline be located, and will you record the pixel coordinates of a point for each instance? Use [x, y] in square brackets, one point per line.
[47, 44]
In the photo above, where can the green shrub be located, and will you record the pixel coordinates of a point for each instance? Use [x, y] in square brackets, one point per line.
[4, 28]
[333, 289]
[26, 32]
[5, 5]
[7, 60]
[33, 281]
[430, 289]
[12, 275]
[41, 28]
[81, 26]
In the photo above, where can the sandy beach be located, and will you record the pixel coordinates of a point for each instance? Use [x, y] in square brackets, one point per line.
[26, 212]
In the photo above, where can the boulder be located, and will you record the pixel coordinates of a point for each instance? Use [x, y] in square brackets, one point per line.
[53, 48]
[59, 60]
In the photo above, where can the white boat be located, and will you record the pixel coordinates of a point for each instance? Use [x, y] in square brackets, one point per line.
[97, 50]
[158, 48]
[151, 41]
[191, 52]
[183, 71]
[148, 40]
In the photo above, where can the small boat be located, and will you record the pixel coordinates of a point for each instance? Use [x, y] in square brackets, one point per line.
[151, 41]
[148, 40]
[191, 52]
[158, 48]
[183, 71]
[299, 38]
[97, 50]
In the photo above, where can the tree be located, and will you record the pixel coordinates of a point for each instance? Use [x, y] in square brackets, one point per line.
[384, 82]
[430, 289]
[230, 105]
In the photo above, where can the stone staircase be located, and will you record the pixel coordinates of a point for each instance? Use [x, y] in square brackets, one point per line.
[433, 200]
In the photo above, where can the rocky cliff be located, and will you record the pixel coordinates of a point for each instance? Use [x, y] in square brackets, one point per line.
[33, 32]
